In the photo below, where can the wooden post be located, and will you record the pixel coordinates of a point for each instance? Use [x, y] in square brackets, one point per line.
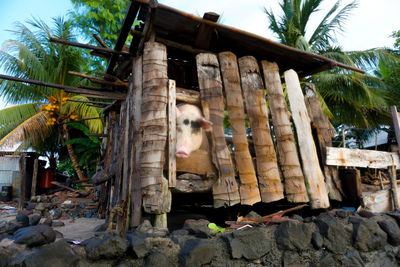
[136, 193]
[393, 183]
[249, 192]
[171, 133]
[22, 181]
[34, 176]
[294, 181]
[396, 124]
[315, 180]
[269, 179]
[155, 129]
[225, 190]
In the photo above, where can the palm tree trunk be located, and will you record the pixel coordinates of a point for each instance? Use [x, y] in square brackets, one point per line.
[71, 153]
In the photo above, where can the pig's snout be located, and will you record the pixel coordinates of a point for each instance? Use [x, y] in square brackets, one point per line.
[182, 153]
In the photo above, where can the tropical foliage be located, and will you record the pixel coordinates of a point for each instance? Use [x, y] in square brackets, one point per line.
[352, 98]
[39, 117]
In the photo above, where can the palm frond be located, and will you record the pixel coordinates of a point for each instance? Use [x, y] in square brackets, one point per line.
[33, 129]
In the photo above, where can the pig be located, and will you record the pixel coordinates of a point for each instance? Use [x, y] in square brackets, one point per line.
[189, 129]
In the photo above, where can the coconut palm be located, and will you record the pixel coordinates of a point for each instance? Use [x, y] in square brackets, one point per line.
[352, 98]
[38, 119]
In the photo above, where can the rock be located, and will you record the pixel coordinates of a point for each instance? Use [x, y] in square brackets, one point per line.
[12, 226]
[344, 213]
[101, 227]
[250, 243]
[337, 237]
[352, 258]
[292, 235]
[198, 228]
[317, 240]
[40, 207]
[55, 214]
[309, 219]
[392, 230]
[252, 214]
[56, 254]
[22, 218]
[297, 218]
[34, 219]
[30, 206]
[137, 243]
[57, 224]
[108, 246]
[366, 213]
[26, 212]
[46, 221]
[58, 234]
[395, 215]
[197, 252]
[367, 236]
[157, 259]
[145, 227]
[34, 236]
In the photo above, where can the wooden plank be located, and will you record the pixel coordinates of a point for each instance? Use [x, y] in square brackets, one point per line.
[315, 180]
[396, 123]
[22, 181]
[192, 183]
[248, 188]
[324, 131]
[204, 34]
[269, 179]
[136, 193]
[225, 190]
[289, 161]
[171, 133]
[199, 162]
[379, 201]
[188, 96]
[394, 188]
[34, 176]
[155, 129]
[362, 158]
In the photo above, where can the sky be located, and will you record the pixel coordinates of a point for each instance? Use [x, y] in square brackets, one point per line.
[369, 26]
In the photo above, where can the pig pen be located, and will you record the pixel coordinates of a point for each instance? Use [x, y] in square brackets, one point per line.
[257, 150]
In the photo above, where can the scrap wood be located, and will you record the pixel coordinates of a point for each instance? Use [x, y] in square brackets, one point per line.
[244, 221]
[82, 193]
[268, 218]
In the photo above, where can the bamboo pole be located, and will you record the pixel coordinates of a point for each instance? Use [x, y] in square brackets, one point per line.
[269, 179]
[248, 188]
[294, 180]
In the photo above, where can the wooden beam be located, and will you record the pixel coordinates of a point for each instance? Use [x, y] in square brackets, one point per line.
[396, 123]
[94, 79]
[34, 176]
[99, 40]
[204, 34]
[188, 96]
[70, 89]
[147, 25]
[186, 48]
[171, 133]
[314, 178]
[86, 46]
[192, 183]
[346, 157]
[90, 102]
[22, 181]
[393, 183]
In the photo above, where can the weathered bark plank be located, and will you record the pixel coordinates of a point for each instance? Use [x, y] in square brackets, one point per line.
[171, 133]
[362, 158]
[294, 180]
[136, 193]
[269, 180]
[396, 123]
[34, 176]
[315, 180]
[225, 190]
[198, 163]
[249, 192]
[154, 123]
[324, 131]
[192, 183]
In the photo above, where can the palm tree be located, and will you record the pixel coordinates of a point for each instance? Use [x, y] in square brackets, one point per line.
[39, 118]
[351, 98]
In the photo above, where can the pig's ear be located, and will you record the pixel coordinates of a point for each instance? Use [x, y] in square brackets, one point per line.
[205, 124]
[178, 112]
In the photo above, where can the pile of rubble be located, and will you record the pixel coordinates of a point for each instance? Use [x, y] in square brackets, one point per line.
[334, 238]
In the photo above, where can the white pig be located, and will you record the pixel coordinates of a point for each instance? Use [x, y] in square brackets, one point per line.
[189, 129]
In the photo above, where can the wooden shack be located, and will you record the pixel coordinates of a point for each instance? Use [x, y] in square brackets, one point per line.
[177, 57]
[235, 77]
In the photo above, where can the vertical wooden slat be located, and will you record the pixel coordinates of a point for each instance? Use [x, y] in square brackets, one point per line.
[34, 176]
[289, 161]
[248, 188]
[396, 123]
[171, 133]
[155, 129]
[269, 179]
[22, 181]
[315, 180]
[393, 183]
[324, 132]
[225, 190]
[136, 200]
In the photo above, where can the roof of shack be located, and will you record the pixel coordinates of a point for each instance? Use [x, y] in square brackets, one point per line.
[185, 31]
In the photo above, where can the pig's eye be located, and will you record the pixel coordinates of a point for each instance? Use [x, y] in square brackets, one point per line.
[186, 122]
